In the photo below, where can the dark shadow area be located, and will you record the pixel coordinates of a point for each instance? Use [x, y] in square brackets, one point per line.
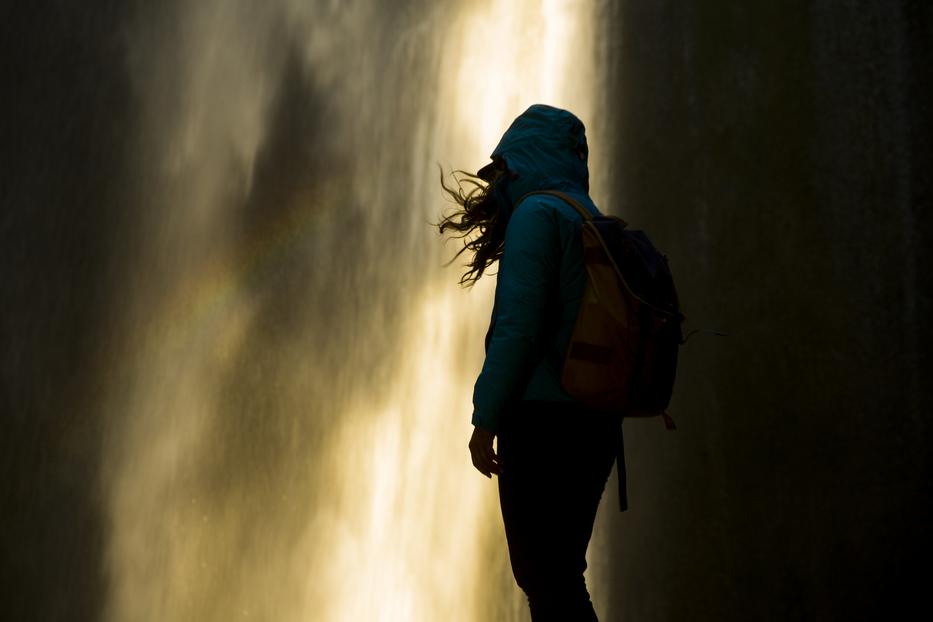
[64, 118]
[781, 156]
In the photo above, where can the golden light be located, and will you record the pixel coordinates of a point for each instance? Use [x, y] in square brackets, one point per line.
[379, 516]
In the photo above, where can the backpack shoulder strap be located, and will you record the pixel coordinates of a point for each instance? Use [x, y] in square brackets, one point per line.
[566, 198]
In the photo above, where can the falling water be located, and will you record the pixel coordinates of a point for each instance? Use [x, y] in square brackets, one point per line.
[295, 396]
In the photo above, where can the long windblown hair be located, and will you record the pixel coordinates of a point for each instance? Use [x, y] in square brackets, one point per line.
[478, 221]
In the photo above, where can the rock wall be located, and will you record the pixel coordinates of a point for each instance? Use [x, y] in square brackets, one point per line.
[780, 154]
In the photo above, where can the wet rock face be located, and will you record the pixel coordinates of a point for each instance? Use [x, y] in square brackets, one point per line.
[779, 154]
[64, 122]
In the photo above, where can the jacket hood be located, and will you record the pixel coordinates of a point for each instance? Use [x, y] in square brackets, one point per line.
[542, 149]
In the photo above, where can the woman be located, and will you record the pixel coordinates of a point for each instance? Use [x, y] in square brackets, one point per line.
[554, 455]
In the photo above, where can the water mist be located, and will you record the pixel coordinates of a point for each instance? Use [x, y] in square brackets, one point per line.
[291, 442]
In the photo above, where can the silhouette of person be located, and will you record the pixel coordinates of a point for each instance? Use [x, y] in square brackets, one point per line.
[554, 454]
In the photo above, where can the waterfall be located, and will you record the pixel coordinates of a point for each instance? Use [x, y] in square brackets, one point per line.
[293, 401]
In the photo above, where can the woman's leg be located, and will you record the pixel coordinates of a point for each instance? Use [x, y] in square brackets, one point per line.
[556, 458]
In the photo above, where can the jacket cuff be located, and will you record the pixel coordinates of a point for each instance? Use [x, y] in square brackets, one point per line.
[485, 420]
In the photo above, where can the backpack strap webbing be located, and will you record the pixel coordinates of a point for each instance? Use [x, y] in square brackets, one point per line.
[588, 217]
[566, 198]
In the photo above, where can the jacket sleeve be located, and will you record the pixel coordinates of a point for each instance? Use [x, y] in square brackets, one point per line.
[526, 271]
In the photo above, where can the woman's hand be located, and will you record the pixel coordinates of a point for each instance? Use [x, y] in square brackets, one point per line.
[484, 456]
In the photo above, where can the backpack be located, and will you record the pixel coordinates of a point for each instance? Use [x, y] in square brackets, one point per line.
[622, 355]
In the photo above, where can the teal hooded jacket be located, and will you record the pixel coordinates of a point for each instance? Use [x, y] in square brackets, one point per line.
[541, 274]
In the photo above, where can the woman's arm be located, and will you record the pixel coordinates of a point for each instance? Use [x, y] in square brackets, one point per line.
[526, 272]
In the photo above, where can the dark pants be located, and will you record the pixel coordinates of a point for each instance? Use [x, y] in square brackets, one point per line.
[556, 459]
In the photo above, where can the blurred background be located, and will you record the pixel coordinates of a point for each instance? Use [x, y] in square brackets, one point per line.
[236, 373]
